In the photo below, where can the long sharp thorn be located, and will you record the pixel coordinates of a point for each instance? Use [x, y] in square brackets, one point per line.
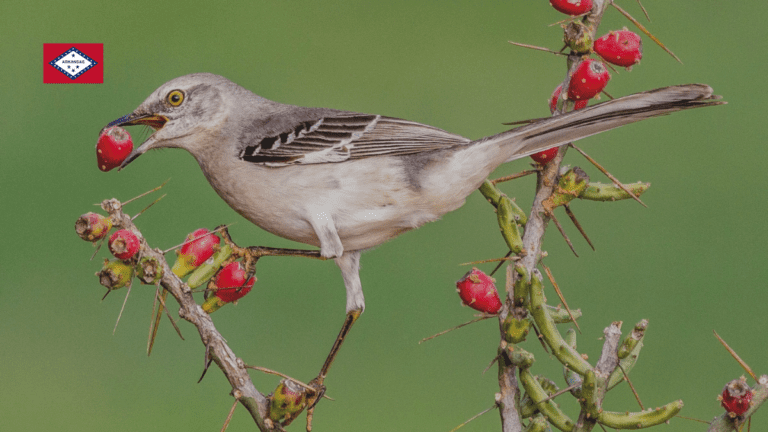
[644, 11]
[694, 419]
[106, 294]
[736, 356]
[147, 207]
[578, 225]
[560, 294]
[205, 370]
[495, 359]
[502, 259]
[559, 392]
[122, 309]
[475, 416]
[156, 322]
[168, 314]
[498, 266]
[98, 247]
[456, 328]
[634, 392]
[609, 175]
[562, 232]
[645, 30]
[514, 176]
[145, 193]
[229, 416]
[534, 47]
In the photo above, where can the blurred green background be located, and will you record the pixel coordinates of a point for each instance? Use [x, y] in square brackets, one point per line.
[690, 263]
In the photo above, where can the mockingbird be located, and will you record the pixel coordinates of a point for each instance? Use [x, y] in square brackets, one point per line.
[344, 181]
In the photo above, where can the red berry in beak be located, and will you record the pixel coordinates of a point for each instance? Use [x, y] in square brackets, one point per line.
[736, 397]
[622, 48]
[93, 226]
[477, 290]
[124, 244]
[195, 251]
[572, 7]
[113, 147]
[231, 285]
[590, 78]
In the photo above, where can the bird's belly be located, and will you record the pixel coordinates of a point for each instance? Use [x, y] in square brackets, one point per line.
[368, 204]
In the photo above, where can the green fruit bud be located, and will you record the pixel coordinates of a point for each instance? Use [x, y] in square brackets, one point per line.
[115, 274]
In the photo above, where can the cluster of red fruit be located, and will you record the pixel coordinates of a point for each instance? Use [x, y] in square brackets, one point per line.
[230, 281]
[622, 48]
[198, 248]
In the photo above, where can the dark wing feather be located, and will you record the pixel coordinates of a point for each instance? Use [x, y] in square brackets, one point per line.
[343, 136]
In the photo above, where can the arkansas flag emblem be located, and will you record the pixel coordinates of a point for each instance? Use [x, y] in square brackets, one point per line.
[73, 63]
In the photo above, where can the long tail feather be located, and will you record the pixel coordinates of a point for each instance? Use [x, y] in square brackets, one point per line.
[559, 130]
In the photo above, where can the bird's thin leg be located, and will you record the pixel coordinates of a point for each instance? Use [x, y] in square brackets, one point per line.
[349, 263]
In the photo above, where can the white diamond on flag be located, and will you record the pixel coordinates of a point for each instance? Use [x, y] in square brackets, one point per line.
[73, 63]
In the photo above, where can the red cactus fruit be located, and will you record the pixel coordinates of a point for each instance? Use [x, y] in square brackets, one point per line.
[736, 397]
[477, 290]
[200, 245]
[124, 244]
[622, 48]
[572, 7]
[590, 78]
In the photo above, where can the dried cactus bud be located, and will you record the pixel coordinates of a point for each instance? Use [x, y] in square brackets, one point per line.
[287, 401]
[93, 226]
[115, 274]
[149, 270]
[578, 37]
[736, 397]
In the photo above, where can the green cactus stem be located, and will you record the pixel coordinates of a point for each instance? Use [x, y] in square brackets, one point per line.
[570, 185]
[493, 195]
[509, 229]
[209, 268]
[538, 423]
[611, 192]
[639, 420]
[564, 352]
[518, 356]
[571, 377]
[516, 330]
[560, 315]
[628, 361]
[522, 286]
[549, 409]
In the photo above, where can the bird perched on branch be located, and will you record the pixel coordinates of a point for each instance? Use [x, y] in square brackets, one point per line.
[346, 182]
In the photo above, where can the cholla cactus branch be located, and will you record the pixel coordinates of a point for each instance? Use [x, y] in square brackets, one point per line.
[232, 367]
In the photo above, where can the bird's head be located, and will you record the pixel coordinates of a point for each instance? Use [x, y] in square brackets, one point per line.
[182, 112]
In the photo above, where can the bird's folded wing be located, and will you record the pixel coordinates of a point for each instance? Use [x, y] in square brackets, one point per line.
[341, 137]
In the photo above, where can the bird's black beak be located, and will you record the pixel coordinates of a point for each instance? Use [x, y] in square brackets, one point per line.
[155, 121]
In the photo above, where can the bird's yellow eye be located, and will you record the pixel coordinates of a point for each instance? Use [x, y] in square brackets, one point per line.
[175, 98]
